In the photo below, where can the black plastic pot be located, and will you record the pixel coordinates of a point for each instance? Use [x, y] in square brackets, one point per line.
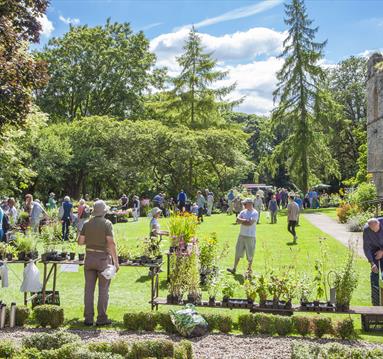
[81, 256]
[342, 307]
[9, 256]
[211, 300]
[72, 256]
[194, 298]
[21, 256]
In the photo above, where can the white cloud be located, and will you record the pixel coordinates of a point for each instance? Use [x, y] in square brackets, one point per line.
[46, 25]
[150, 26]
[237, 13]
[69, 20]
[255, 78]
[368, 53]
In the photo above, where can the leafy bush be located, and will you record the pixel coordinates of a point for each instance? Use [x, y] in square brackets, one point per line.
[46, 341]
[32, 353]
[51, 315]
[247, 324]
[224, 323]
[100, 347]
[22, 314]
[120, 347]
[152, 348]
[302, 325]
[7, 349]
[165, 321]
[131, 321]
[357, 222]
[345, 329]
[304, 351]
[283, 325]
[183, 350]
[322, 326]
[365, 192]
[344, 211]
[266, 323]
[212, 321]
[146, 321]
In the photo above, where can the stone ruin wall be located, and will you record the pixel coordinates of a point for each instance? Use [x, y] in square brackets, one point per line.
[375, 121]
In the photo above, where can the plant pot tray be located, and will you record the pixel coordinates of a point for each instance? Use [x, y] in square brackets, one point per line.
[322, 307]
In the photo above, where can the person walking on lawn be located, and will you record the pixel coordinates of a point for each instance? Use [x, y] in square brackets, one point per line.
[258, 205]
[273, 208]
[201, 201]
[97, 236]
[292, 217]
[246, 240]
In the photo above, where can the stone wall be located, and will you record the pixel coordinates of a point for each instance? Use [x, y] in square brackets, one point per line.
[375, 121]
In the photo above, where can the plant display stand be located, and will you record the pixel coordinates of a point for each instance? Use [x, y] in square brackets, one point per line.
[16, 261]
[50, 271]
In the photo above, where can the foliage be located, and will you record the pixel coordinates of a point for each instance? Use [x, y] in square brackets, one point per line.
[248, 324]
[365, 192]
[250, 289]
[20, 72]
[208, 252]
[51, 315]
[320, 276]
[322, 326]
[182, 228]
[7, 349]
[344, 211]
[193, 272]
[165, 322]
[131, 321]
[344, 329]
[296, 91]
[46, 341]
[152, 348]
[101, 70]
[302, 325]
[228, 287]
[224, 323]
[183, 350]
[283, 325]
[356, 222]
[346, 279]
[262, 284]
[266, 323]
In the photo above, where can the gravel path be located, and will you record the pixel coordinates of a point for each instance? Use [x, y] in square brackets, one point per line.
[336, 230]
[213, 346]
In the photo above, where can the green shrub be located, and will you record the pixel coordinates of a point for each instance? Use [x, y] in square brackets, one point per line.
[248, 324]
[22, 314]
[51, 315]
[46, 341]
[302, 325]
[100, 347]
[345, 329]
[7, 349]
[266, 323]
[147, 321]
[188, 348]
[165, 321]
[32, 353]
[304, 351]
[322, 326]
[364, 192]
[283, 325]
[212, 321]
[224, 323]
[152, 349]
[120, 347]
[131, 321]
[336, 351]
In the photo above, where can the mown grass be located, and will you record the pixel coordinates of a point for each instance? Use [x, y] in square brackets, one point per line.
[130, 290]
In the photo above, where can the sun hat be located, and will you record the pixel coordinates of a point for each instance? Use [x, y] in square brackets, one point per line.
[51, 194]
[100, 208]
[155, 211]
[247, 200]
[66, 199]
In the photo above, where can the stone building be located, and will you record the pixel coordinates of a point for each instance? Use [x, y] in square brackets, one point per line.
[375, 121]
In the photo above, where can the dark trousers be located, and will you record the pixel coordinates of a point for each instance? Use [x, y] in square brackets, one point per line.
[291, 227]
[95, 263]
[375, 290]
[200, 214]
[65, 228]
[181, 206]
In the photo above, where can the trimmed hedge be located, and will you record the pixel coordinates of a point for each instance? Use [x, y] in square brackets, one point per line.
[322, 326]
[332, 351]
[51, 315]
[22, 314]
[46, 341]
[302, 325]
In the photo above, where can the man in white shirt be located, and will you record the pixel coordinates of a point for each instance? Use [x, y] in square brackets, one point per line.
[246, 240]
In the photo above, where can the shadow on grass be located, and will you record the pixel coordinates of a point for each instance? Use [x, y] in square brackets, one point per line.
[91, 331]
[163, 284]
[239, 278]
[143, 279]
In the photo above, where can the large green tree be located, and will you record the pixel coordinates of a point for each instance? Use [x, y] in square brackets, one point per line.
[304, 147]
[198, 101]
[102, 70]
[20, 74]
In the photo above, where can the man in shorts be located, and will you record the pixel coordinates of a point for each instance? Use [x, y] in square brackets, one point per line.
[246, 240]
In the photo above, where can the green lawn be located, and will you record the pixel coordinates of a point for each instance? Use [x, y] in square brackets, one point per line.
[130, 291]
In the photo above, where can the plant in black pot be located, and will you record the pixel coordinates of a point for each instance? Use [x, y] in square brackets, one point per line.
[250, 290]
[213, 283]
[26, 245]
[291, 288]
[228, 288]
[277, 288]
[3, 250]
[177, 279]
[72, 247]
[123, 252]
[346, 280]
[262, 284]
[11, 252]
[193, 274]
[305, 290]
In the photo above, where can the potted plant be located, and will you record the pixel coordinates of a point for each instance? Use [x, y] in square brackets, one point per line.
[291, 289]
[81, 254]
[345, 282]
[122, 252]
[262, 285]
[193, 275]
[277, 288]
[251, 290]
[11, 252]
[3, 250]
[177, 279]
[305, 287]
[72, 251]
[213, 285]
[26, 246]
[228, 288]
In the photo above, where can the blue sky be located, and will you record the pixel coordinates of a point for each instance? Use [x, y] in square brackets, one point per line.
[245, 36]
